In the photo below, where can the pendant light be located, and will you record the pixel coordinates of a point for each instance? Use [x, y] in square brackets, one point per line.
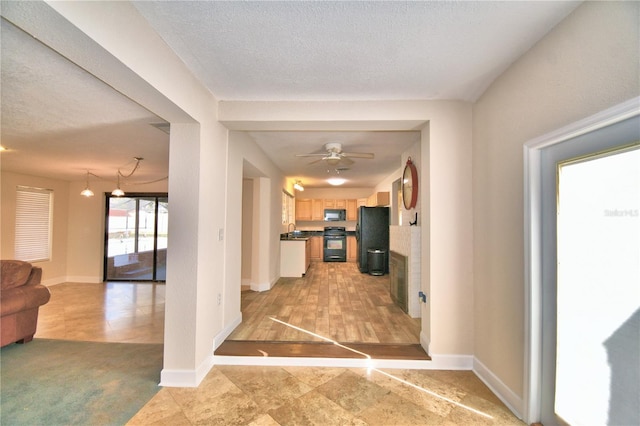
[118, 192]
[86, 191]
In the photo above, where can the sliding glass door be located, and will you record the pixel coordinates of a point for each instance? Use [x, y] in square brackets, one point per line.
[136, 237]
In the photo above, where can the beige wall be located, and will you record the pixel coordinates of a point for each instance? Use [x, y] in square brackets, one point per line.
[78, 226]
[266, 218]
[588, 63]
[337, 192]
[85, 243]
[54, 270]
[247, 229]
[445, 191]
[98, 37]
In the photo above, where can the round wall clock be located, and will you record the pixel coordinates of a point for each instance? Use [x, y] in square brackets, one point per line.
[409, 185]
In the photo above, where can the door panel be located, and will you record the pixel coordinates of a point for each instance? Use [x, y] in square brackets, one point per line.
[558, 297]
[136, 238]
[598, 288]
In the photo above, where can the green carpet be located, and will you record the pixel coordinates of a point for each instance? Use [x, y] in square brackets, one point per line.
[59, 382]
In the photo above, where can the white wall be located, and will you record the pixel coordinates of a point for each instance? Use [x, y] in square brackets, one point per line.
[588, 63]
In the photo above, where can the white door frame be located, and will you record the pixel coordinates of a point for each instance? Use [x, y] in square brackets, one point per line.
[533, 242]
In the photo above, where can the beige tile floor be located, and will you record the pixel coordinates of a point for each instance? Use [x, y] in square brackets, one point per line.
[238, 395]
[107, 312]
[129, 312]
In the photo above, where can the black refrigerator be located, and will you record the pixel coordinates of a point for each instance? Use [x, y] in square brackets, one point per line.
[372, 233]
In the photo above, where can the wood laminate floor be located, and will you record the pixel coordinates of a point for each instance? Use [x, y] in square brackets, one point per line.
[333, 301]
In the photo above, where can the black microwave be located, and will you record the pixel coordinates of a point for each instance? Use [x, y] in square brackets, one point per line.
[333, 215]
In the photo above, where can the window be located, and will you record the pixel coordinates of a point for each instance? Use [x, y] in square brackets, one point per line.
[33, 224]
[287, 208]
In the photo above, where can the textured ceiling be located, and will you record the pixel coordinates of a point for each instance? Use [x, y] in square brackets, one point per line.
[356, 50]
[59, 120]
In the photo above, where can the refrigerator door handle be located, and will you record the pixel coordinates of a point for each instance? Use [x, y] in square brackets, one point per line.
[357, 232]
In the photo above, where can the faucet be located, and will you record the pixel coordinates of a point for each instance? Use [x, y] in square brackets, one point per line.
[289, 225]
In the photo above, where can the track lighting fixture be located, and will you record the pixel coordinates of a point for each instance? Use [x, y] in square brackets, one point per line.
[118, 192]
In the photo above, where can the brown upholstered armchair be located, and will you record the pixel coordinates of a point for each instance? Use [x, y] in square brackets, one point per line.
[21, 295]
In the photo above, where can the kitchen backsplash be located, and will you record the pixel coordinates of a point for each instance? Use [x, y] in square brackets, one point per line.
[319, 225]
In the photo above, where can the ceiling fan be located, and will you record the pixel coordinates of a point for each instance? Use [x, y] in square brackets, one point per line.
[335, 155]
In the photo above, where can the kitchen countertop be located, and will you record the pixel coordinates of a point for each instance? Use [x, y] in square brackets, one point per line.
[300, 235]
[305, 235]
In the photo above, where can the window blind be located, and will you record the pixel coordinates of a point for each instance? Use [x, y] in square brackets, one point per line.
[33, 224]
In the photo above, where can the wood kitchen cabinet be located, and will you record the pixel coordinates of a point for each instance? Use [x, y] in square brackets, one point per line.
[352, 249]
[303, 209]
[315, 249]
[313, 209]
[378, 199]
[317, 209]
[352, 209]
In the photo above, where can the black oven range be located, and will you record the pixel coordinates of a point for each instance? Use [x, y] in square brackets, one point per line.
[335, 244]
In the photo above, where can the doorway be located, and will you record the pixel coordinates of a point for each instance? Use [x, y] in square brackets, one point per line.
[569, 220]
[598, 290]
[136, 231]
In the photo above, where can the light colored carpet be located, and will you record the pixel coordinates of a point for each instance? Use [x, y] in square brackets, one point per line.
[58, 382]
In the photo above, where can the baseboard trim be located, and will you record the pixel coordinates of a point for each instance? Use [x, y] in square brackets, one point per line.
[441, 362]
[226, 331]
[497, 386]
[186, 378]
[261, 286]
[89, 280]
[452, 361]
[322, 362]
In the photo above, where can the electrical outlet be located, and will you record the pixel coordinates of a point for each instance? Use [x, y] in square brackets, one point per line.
[220, 234]
[219, 298]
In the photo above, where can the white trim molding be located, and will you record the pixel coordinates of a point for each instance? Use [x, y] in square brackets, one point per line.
[440, 362]
[497, 386]
[87, 279]
[531, 402]
[226, 331]
[186, 378]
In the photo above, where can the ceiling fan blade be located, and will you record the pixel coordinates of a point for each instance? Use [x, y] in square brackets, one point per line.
[311, 155]
[366, 155]
[346, 161]
[315, 161]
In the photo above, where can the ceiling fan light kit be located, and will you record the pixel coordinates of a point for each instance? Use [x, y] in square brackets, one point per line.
[335, 155]
[336, 181]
